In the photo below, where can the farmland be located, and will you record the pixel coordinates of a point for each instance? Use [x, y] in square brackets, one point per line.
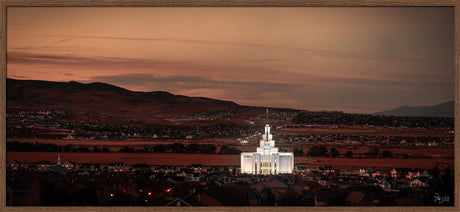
[218, 160]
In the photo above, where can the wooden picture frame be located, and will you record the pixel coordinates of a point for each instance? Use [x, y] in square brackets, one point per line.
[5, 4]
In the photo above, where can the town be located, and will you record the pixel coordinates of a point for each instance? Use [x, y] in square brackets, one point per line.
[68, 183]
[315, 179]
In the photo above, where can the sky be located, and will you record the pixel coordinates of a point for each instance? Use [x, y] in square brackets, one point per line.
[350, 59]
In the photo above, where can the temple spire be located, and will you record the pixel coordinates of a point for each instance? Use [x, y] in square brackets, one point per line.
[266, 121]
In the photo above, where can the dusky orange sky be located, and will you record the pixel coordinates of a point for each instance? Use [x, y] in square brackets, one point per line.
[362, 60]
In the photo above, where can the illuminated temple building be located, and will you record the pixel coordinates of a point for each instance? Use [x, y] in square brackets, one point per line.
[267, 160]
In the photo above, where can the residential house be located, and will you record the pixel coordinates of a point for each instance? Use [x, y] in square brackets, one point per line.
[276, 185]
[419, 182]
[116, 167]
[24, 191]
[366, 172]
[327, 170]
[42, 165]
[15, 165]
[229, 195]
[217, 169]
[390, 187]
[301, 169]
[197, 168]
[398, 172]
[141, 168]
[166, 169]
[90, 167]
[70, 165]
[178, 202]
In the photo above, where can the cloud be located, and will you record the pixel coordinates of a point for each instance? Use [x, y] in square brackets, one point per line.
[246, 84]
[352, 95]
[250, 89]
[327, 53]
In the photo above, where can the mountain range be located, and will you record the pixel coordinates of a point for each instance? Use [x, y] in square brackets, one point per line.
[89, 101]
[446, 109]
[101, 100]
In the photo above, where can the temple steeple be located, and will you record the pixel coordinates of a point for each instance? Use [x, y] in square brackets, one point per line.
[266, 120]
[267, 160]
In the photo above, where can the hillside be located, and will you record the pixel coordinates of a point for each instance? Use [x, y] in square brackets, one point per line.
[101, 100]
[446, 109]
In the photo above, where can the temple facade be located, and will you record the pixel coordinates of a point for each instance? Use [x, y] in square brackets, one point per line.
[267, 160]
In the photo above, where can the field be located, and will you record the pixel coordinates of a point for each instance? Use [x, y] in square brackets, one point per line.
[220, 160]
[353, 130]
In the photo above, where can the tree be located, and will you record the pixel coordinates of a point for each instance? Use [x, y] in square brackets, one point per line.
[447, 172]
[349, 154]
[373, 153]
[192, 148]
[159, 148]
[208, 148]
[435, 172]
[126, 149]
[334, 153]
[224, 149]
[267, 197]
[317, 151]
[323, 151]
[176, 147]
[298, 152]
[387, 154]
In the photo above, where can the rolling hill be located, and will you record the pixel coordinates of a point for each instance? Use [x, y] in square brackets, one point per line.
[100, 100]
[446, 109]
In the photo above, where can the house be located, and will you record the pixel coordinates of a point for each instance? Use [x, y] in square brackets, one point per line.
[324, 181]
[70, 165]
[42, 165]
[141, 168]
[116, 167]
[310, 186]
[90, 167]
[193, 177]
[178, 202]
[15, 165]
[385, 185]
[166, 169]
[366, 172]
[327, 170]
[276, 185]
[418, 182]
[58, 169]
[390, 187]
[229, 195]
[24, 191]
[84, 172]
[197, 168]
[217, 169]
[301, 169]
[398, 172]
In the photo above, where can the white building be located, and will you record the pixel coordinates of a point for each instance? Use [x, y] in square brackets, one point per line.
[267, 160]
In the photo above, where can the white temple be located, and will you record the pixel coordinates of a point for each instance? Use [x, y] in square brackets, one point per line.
[267, 160]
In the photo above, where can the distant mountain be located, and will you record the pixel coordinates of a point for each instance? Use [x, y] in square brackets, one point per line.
[100, 100]
[446, 109]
